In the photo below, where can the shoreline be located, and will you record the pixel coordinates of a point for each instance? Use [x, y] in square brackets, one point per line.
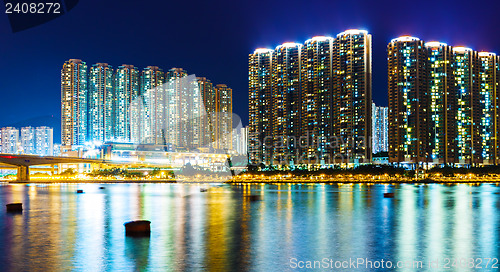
[262, 181]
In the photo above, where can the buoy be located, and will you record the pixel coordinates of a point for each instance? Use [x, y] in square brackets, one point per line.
[102, 188]
[79, 191]
[138, 228]
[15, 207]
[203, 190]
[388, 195]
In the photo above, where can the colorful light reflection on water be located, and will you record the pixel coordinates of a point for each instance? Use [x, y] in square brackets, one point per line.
[222, 229]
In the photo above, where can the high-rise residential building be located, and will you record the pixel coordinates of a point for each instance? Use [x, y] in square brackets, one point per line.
[260, 106]
[352, 96]
[126, 89]
[100, 123]
[148, 107]
[31, 141]
[442, 103]
[44, 141]
[151, 77]
[240, 140]
[74, 99]
[487, 109]
[207, 91]
[10, 140]
[57, 150]
[380, 140]
[28, 140]
[193, 114]
[178, 92]
[214, 122]
[496, 118]
[152, 128]
[407, 81]
[311, 104]
[316, 99]
[465, 72]
[497, 112]
[286, 101]
[176, 109]
[223, 121]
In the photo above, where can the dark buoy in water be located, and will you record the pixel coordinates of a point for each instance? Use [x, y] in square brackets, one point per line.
[79, 191]
[253, 197]
[389, 195]
[203, 190]
[102, 188]
[14, 207]
[138, 228]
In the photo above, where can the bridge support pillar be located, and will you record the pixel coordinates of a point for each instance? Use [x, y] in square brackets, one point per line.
[23, 173]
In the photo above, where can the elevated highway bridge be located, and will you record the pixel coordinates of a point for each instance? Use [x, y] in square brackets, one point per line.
[23, 162]
[171, 160]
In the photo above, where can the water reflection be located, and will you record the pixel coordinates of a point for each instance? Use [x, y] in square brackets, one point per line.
[224, 229]
[137, 250]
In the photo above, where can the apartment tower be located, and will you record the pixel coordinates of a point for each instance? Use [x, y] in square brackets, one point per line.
[74, 101]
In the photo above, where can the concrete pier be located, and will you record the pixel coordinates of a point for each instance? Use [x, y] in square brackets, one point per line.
[23, 173]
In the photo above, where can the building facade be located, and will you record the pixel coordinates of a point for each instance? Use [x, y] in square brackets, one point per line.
[260, 106]
[380, 140]
[148, 107]
[408, 99]
[316, 99]
[223, 118]
[181, 123]
[44, 141]
[487, 109]
[10, 140]
[310, 104]
[286, 101]
[240, 140]
[101, 102]
[352, 96]
[465, 72]
[28, 140]
[126, 89]
[443, 103]
[207, 91]
[74, 102]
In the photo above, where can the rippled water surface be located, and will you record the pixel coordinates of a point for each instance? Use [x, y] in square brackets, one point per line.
[224, 229]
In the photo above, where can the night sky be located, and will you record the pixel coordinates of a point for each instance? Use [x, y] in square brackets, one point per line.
[213, 39]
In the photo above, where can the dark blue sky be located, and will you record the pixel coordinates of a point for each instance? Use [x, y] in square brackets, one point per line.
[213, 39]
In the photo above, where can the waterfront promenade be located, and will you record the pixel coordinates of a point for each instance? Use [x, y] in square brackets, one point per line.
[270, 179]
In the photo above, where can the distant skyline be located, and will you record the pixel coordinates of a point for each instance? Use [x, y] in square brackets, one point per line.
[213, 40]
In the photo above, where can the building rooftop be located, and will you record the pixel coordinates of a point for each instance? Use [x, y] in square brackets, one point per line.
[461, 49]
[319, 39]
[353, 32]
[435, 44]
[405, 38]
[262, 50]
